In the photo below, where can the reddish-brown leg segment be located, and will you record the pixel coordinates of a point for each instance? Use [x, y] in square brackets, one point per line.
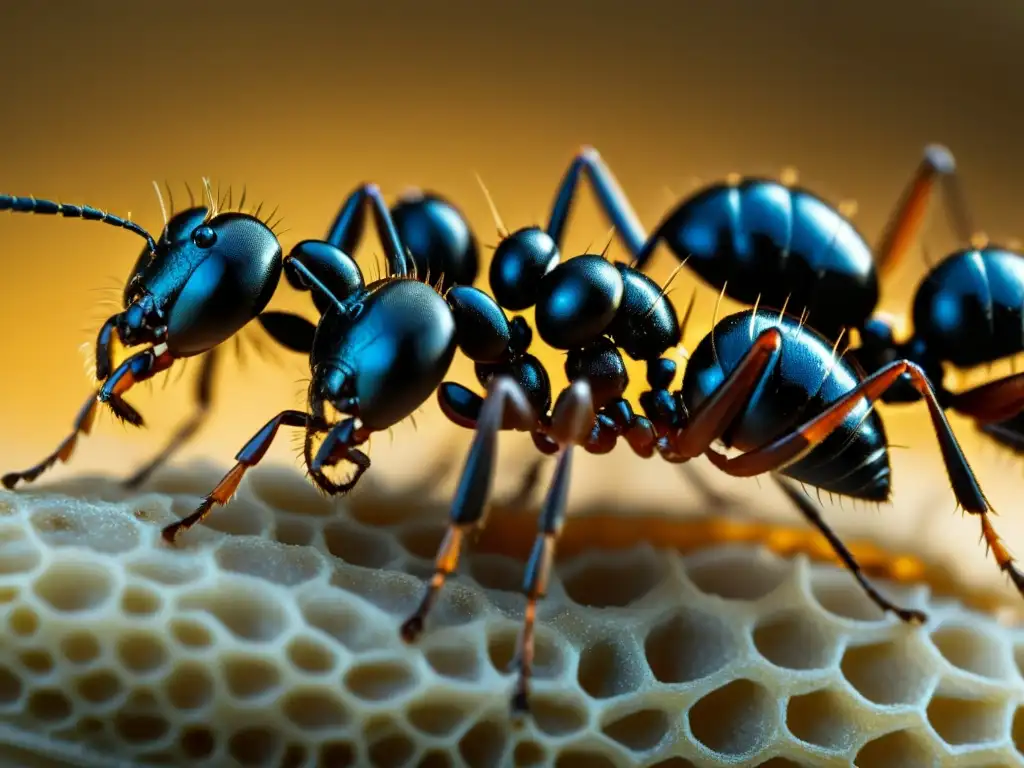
[904, 227]
[792, 447]
[249, 456]
[139, 367]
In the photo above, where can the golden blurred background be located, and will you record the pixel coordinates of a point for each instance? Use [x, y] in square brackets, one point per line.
[300, 101]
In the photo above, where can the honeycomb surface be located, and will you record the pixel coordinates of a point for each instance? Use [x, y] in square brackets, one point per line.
[270, 639]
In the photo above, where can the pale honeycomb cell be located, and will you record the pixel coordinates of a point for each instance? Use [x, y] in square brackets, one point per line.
[271, 639]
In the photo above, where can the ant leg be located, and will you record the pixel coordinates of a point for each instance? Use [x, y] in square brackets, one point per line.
[570, 425]
[82, 426]
[612, 199]
[505, 401]
[185, 432]
[792, 447]
[712, 417]
[904, 226]
[347, 229]
[136, 368]
[995, 401]
[808, 509]
[249, 456]
[337, 446]
[104, 354]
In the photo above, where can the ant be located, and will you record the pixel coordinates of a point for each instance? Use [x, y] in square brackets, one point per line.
[760, 382]
[210, 273]
[766, 243]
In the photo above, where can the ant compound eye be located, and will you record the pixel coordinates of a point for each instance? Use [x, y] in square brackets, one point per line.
[204, 236]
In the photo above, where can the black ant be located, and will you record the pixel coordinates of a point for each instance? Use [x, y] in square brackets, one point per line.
[765, 243]
[760, 382]
[210, 273]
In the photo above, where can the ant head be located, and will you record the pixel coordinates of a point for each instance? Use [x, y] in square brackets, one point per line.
[520, 261]
[319, 267]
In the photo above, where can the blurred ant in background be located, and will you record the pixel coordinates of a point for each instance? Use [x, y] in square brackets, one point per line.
[770, 244]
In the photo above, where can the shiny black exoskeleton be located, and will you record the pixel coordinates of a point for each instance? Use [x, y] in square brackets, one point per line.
[760, 383]
[772, 245]
[765, 242]
[434, 232]
[211, 272]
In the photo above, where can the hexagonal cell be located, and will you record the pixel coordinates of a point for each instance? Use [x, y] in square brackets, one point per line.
[392, 750]
[248, 676]
[140, 600]
[189, 685]
[380, 680]
[309, 654]
[966, 721]
[49, 705]
[824, 718]
[484, 744]
[846, 600]
[611, 667]
[456, 659]
[734, 575]
[889, 673]
[246, 613]
[1017, 731]
[74, 587]
[603, 582]
[688, 646]
[558, 715]
[315, 709]
[738, 719]
[431, 714]
[899, 749]
[642, 730]
[972, 651]
[357, 545]
[141, 651]
[796, 640]
[548, 658]
[255, 746]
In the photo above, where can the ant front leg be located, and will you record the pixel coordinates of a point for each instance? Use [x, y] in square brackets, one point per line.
[248, 457]
[347, 229]
[338, 446]
[792, 447]
[185, 432]
[139, 367]
[505, 407]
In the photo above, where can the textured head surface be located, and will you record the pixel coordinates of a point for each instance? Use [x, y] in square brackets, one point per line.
[278, 646]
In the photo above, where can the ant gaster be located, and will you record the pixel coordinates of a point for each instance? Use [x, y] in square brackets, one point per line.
[209, 274]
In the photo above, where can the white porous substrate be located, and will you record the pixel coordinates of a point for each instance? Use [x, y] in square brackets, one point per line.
[272, 641]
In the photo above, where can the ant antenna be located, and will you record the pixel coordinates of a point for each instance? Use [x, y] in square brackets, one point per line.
[160, 199]
[502, 229]
[16, 204]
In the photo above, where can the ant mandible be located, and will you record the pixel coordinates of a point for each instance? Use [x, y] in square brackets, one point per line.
[760, 382]
[210, 273]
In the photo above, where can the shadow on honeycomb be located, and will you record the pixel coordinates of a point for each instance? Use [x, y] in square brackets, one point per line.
[278, 645]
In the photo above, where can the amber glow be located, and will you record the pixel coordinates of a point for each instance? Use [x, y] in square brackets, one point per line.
[299, 102]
